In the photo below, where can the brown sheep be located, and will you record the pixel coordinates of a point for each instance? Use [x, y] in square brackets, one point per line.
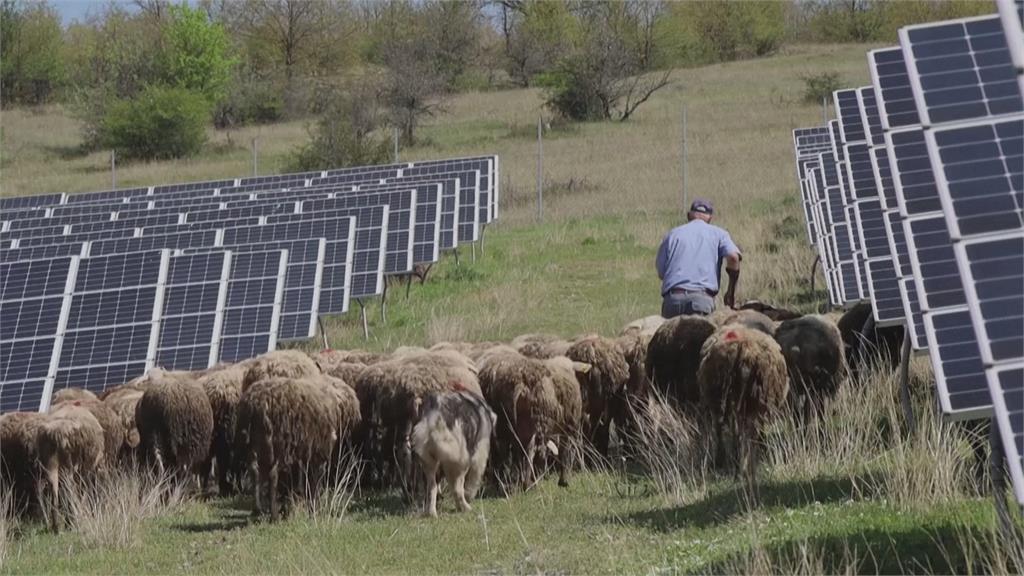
[223, 389]
[567, 377]
[69, 443]
[110, 421]
[522, 394]
[19, 457]
[749, 318]
[645, 326]
[389, 393]
[279, 364]
[743, 383]
[605, 384]
[775, 314]
[815, 359]
[123, 400]
[637, 391]
[673, 357]
[175, 422]
[70, 394]
[540, 346]
[291, 425]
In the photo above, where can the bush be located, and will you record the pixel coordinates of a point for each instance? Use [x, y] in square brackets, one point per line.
[249, 102]
[345, 135]
[821, 85]
[160, 123]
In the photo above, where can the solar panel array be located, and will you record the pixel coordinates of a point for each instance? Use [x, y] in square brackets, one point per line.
[98, 287]
[934, 162]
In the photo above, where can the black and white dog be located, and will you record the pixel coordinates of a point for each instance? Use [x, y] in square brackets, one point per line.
[453, 435]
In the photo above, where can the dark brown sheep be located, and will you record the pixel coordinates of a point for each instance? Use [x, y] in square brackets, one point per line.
[567, 377]
[815, 360]
[776, 314]
[604, 385]
[223, 389]
[123, 400]
[743, 383]
[673, 357]
[175, 422]
[291, 425]
[879, 346]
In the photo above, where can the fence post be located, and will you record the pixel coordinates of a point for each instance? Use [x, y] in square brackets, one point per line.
[686, 203]
[113, 169]
[255, 157]
[824, 110]
[394, 133]
[540, 169]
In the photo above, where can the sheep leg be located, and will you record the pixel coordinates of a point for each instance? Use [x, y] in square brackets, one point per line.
[459, 487]
[53, 479]
[430, 474]
[564, 460]
[474, 476]
[272, 478]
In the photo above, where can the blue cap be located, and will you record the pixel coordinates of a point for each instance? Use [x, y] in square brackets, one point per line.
[702, 206]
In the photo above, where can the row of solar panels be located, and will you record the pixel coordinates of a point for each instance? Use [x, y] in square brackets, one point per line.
[914, 200]
[336, 235]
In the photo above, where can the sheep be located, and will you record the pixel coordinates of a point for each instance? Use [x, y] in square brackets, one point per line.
[223, 390]
[389, 394]
[540, 346]
[122, 400]
[453, 434]
[673, 357]
[19, 457]
[743, 382]
[521, 392]
[347, 371]
[749, 318]
[69, 394]
[633, 346]
[865, 342]
[815, 359]
[291, 425]
[280, 364]
[175, 422]
[326, 359]
[110, 421]
[69, 442]
[566, 378]
[645, 326]
[775, 314]
[604, 385]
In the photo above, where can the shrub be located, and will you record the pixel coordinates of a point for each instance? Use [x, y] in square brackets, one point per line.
[345, 135]
[249, 102]
[821, 85]
[160, 123]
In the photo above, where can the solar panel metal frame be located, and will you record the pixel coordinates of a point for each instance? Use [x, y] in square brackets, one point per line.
[1007, 407]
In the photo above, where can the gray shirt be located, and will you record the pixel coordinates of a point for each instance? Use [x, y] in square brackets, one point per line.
[691, 256]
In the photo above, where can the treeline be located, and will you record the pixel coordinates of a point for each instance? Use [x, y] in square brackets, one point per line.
[375, 63]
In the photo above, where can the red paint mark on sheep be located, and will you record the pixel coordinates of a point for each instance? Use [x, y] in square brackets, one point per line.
[456, 386]
[731, 335]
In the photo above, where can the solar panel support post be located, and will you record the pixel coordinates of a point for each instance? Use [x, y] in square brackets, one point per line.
[814, 272]
[824, 110]
[323, 332]
[540, 172]
[384, 303]
[362, 315]
[908, 408]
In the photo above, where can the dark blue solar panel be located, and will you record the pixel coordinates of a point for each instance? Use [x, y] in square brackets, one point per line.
[486, 166]
[251, 314]
[451, 190]
[1006, 385]
[869, 115]
[427, 227]
[861, 172]
[883, 177]
[75, 238]
[31, 233]
[961, 70]
[938, 273]
[117, 272]
[851, 125]
[959, 373]
[872, 227]
[194, 287]
[983, 176]
[12, 203]
[887, 303]
[912, 310]
[913, 176]
[107, 196]
[55, 220]
[31, 279]
[401, 223]
[180, 241]
[997, 283]
[40, 252]
[188, 186]
[895, 97]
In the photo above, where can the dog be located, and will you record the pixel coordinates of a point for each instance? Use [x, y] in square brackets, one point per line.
[453, 435]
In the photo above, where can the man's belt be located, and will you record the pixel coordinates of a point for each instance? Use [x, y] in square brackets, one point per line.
[680, 290]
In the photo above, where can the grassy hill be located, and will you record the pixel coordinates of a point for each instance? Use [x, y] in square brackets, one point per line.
[853, 495]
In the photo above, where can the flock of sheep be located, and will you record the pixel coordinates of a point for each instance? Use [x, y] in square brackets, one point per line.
[286, 422]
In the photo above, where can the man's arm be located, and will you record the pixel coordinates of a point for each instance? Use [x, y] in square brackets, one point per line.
[732, 268]
[661, 262]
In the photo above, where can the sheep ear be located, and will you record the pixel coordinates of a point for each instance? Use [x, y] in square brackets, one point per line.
[581, 367]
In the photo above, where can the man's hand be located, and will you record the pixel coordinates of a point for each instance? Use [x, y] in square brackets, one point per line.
[730, 298]
[732, 269]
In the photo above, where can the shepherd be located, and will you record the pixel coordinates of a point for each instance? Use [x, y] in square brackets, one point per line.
[689, 264]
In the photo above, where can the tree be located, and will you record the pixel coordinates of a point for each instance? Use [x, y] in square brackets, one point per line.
[196, 56]
[159, 123]
[604, 78]
[31, 64]
[538, 33]
[347, 134]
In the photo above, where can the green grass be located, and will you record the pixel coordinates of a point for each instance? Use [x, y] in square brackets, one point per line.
[853, 497]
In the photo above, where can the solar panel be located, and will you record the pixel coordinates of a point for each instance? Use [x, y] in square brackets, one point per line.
[35, 298]
[178, 241]
[980, 169]
[959, 371]
[427, 230]
[6, 237]
[912, 308]
[108, 196]
[193, 303]
[11, 203]
[113, 323]
[961, 70]
[43, 252]
[851, 127]
[995, 291]
[73, 238]
[869, 115]
[451, 190]
[189, 186]
[368, 255]
[337, 269]
[402, 206]
[1006, 385]
[24, 223]
[895, 98]
[487, 166]
[252, 310]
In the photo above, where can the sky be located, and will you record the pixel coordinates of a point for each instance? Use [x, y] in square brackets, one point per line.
[71, 10]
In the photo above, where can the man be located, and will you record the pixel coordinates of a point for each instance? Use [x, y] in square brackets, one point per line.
[689, 264]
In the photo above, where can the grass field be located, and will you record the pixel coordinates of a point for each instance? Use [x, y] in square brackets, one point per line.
[853, 496]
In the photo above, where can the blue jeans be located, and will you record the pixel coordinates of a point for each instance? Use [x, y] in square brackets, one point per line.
[688, 303]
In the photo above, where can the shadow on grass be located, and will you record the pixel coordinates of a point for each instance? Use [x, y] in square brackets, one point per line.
[930, 549]
[720, 507]
[223, 525]
[68, 152]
